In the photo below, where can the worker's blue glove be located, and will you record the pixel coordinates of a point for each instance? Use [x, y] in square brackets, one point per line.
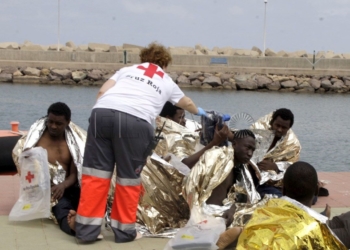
[201, 112]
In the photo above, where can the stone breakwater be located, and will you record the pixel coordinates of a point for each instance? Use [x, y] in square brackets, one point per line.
[202, 80]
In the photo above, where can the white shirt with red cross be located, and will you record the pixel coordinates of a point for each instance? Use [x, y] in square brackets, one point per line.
[141, 90]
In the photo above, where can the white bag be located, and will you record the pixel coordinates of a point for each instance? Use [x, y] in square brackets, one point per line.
[202, 231]
[35, 192]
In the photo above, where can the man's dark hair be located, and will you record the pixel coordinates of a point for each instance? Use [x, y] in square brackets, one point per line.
[169, 110]
[60, 108]
[243, 134]
[285, 114]
[300, 181]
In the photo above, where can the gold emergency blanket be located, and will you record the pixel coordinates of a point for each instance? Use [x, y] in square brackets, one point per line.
[75, 138]
[287, 224]
[162, 207]
[286, 151]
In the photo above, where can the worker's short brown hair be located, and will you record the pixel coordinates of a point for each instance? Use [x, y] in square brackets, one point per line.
[157, 54]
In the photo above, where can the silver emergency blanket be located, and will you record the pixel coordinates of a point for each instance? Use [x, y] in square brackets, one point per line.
[75, 138]
[286, 151]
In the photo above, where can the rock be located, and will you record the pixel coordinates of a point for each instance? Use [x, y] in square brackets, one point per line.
[256, 49]
[17, 73]
[196, 83]
[282, 53]
[316, 84]
[107, 76]
[68, 82]
[62, 73]
[213, 81]
[85, 82]
[320, 54]
[9, 70]
[207, 75]
[131, 46]
[82, 48]
[45, 72]
[301, 53]
[211, 53]
[195, 75]
[98, 47]
[26, 79]
[305, 90]
[53, 47]
[34, 47]
[201, 78]
[98, 83]
[273, 86]
[9, 45]
[250, 85]
[289, 84]
[116, 49]
[206, 86]
[180, 51]
[44, 80]
[225, 77]
[270, 52]
[53, 77]
[183, 80]
[242, 77]
[346, 55]
[173, 76]
[320, 90]
[31, 71]
[70, 44]
[5, 77]
[78, 76]
[67, 49]
[55, 82]
[262, 81]
[226, 85]
[329, 54]
[334, 79]
[326, 84]
[197, 52]
[337, 56]
[303, 85]
[95, 75]
[286, 90]
[338, 85]
[226, 51]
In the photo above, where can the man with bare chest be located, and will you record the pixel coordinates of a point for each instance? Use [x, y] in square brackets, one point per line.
[244, 145]
[53, 139]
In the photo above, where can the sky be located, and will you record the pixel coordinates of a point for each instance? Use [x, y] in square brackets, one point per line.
[291, 25]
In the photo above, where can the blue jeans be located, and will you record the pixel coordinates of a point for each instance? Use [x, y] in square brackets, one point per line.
[267, 189]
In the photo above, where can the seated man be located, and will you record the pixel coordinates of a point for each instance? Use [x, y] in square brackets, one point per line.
[64, 143]
[282, 150]
[288, 222]
[221, 178]
[173, 113]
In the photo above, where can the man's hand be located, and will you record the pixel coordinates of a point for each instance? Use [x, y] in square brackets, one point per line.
[57, 191]
[267, 164]
[220, 135]
[228, 215]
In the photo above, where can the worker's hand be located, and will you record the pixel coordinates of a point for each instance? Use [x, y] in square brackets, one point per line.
[201, 112]
[220, 135]
[266, 165]
[228, 215]
[57, 191]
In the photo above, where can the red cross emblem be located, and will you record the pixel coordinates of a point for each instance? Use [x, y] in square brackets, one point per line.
[29, 177]
[151, 70]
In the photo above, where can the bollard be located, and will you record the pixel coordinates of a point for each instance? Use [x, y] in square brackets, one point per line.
[14, 126]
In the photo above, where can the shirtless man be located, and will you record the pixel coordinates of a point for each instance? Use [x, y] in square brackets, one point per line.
[53, 140]
[244, 145]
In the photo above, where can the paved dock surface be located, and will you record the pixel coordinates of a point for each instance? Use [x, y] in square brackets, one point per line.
[43, 234]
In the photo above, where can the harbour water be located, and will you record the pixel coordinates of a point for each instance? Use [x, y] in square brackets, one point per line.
[321, 120]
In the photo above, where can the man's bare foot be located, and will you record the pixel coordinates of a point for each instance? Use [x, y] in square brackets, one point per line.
[71, 219]
[228, 237]
[327, 211]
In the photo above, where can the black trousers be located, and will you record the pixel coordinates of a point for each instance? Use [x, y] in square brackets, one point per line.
[69, 201]
[340, 225]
